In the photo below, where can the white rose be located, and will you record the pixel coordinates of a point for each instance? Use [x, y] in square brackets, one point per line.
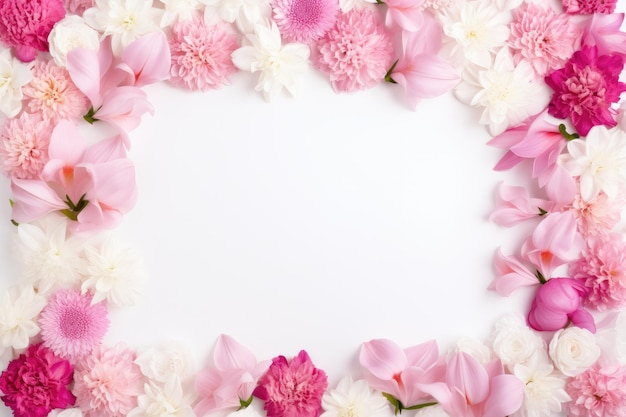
[161, 363]
[514, 342]
[69, 33]
[573, 350]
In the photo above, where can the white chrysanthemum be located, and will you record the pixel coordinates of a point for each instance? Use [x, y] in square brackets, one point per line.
[179, 10]
[514, 342]
[599, 161]
[356, 399]
[161, 363]
[114, 272]
[508, 93]
[51, 259]
[13, 76]
[69, 33]
[477, 349]
[124, 21]
[573, 350]
[246, 14]
[432, 411]
[475, 29]
[544, 391]
[280, 65]
[18, 316]
[165, 400]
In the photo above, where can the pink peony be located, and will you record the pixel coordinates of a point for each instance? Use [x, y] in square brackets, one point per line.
[598, 392]
[201, 55]
[36, 383]
[24, 146]
[107, 382]
[292, 388]
[585, 89]
[589, 6]
[304, 20]
[356, 52]
[26, 24]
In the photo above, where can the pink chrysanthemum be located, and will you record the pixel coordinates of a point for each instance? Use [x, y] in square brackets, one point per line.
[598, 392]
[24, 146]
[52, 93]
[36, 383]
[78, 6]
[542, 37]
[201, 55]
[26, 24]
[304, 21]
[70, 325]
[107, 382]
[589, 6]
[356, 52]
[585, 89]
[292, 388]
[603, 270]
[599, 215]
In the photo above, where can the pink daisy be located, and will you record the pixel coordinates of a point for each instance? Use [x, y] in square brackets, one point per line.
[70, 325]
[598, 392]
[589, 6]
[52, 93]
[24, 146]
[304, 20]
[201, 55]
[356, 52]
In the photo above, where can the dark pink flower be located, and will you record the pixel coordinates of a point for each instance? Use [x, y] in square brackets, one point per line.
[304, 20]
[26, 24]
[585, 89]
[598, 392]
[292, 388]
[589, 6]
[36, 383]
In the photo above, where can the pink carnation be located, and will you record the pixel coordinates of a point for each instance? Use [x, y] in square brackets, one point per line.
[292, 388]
[589, 6]
[201, 55]
[585, 89]
[78, 6]
[598, 392]
[24, 146]
[36, 383]
[304, 20]
[108, 382]
[356, 52]
[26, 24]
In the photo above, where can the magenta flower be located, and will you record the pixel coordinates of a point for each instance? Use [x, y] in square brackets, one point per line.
[559, 302]
[598, 392]
[292, 388]
[70, 326]
[304, 21]
[26, 24]
[36, 383]
[24, 146]
[589, 6]
[585, 89]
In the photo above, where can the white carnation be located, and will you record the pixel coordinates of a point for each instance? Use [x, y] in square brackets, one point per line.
[573, 350]
[161, 363]
[514, 342]
[69, 33]
[165, 400]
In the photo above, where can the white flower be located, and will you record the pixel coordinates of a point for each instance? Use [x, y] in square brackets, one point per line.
[69, 33]
[432, 411]
[165, 400]
[477, 349]
[599, 161]
[250, 411]
[160, 364]
[13, 76]
[544, 391]
[280, 66]
[246, 14]
[573, 350]
[6, 356]
[18, 316]
[611, 337]
[508, 93]
[179, 10]
[69, 412]
[123, 20]
[514, 342]
[356, 399]
[114, 272]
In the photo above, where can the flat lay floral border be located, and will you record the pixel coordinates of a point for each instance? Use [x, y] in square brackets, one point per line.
[545, 78]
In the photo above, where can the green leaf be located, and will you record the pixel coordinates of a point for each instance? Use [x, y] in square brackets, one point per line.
[89, 117]
[397, 405]
[388, 75]
[540, 277]
[566, 135]
[418, 406]
[14, 223]
[244, 404]
[542, 212]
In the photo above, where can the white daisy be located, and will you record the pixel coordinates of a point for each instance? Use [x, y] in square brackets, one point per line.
[179, 10]
[165, 400]
[13, 76]
[19, 309]
[544, 390]
[356, 399]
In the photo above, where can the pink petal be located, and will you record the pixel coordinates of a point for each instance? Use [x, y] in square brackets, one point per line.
[105, 150]
[468, 376]
[512, 274]
[583, 319]
[84, 69]
[230, 354]
[124, 106]
[505, 397]
[383, 358]
[113, 183]
[66, 143]
[561, 187]
[33, 199]
[424, 355]
[147, 59]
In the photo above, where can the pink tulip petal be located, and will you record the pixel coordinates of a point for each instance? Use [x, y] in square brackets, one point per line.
[147, 59]
[505, 397]
[66, 143]
[383, 358]
[84, 69]
[423, 356]
[124, 106]
[33, 199]
[105, 150]
[468, 376]
[230, 354]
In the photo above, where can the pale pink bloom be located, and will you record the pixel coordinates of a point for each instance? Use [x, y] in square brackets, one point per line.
[542, 37]
[511, 274]
[231, 380]
[598, 215]
[201, 55]
[70, 325]
[107, 382]
[406, 374]
[598, 392]
[589, 6]
[304, 21]
[604, 32]
[24, 146]
[561, 187]
[78, 6]
[52, 93]
[356, 53]
[147, 59]
[407, 14]
[514, 205]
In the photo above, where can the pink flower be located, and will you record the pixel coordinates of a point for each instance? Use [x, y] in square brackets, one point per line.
[26, 24]
[585, 89]
[36, 383]
[304, 21]
[70, 325]
[514, 205]
[24, 146]
[604, 32]
[603, 271]
[201, 55]
[408, 14]
[292, 388]
[511, 274]
[598, 215]
[406, 374]
[559, 302]
[356, 52]
[542, 37]
[231, 381]
[52, 93]
[598, 392]
[107, 382]
[589, 6]
[78, 6]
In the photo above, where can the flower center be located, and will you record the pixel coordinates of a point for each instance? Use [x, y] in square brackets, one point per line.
[305, 12]
[73, 323]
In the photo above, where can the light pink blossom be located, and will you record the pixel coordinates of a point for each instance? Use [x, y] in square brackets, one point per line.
[598, 215]
[407, 14]
[24, 146]
[604, 32]
[514, 205]
[598, 392]
[511, 274]
[304, 21]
